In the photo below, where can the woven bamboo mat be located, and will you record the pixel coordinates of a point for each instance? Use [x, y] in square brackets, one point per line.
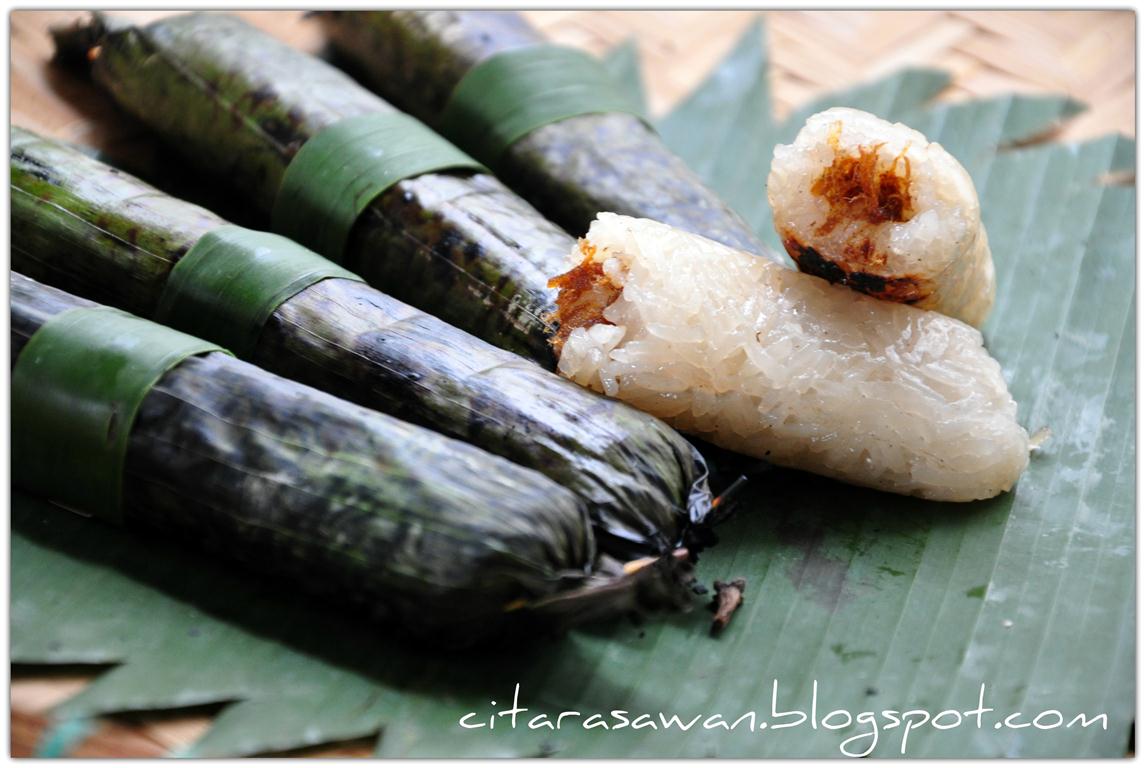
[1089, 55]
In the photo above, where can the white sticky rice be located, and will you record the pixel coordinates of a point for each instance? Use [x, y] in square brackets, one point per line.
[784, 366]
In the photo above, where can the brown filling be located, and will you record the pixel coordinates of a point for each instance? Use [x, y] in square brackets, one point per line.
[584, 292]
[857, 190]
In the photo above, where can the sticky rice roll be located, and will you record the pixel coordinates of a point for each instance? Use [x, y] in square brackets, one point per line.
[877, 207]
[781, 365]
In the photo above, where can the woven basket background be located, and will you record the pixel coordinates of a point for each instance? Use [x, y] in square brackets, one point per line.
[1089, 55]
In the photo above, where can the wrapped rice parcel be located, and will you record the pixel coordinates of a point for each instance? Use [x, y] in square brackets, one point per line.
[544, 117]
[127, 420]
[91, 229]
[783, 366]
[336, 168]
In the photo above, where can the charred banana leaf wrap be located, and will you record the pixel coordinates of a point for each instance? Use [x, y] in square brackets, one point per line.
[76, 388]
[416, 218]
[91, 229]
[339, 172]
[233, 279]
[515, 92]
[427, 532]
[547, 119]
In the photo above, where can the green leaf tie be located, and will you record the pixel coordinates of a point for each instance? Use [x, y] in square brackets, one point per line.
[513, 93]
[76, 389]
[346, 166]
[233, 279]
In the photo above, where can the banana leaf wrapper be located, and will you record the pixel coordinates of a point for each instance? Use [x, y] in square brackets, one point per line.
[93, 230]
[428, 534]
[571, 169]
[237, 102]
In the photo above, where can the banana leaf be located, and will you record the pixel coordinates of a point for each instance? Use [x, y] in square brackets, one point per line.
[93, 230]
[868, 602]
[571, 169]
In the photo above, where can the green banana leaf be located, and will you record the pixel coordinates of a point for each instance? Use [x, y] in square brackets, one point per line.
[623, 64]
[859, 600]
